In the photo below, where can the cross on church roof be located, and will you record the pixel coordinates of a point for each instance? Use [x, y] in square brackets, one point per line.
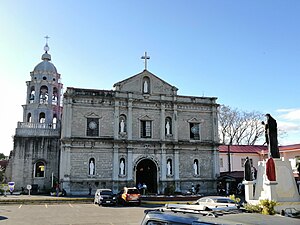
[145, 57]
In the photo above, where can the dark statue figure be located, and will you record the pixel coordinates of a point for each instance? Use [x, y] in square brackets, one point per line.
[248, 172]
[271, 136]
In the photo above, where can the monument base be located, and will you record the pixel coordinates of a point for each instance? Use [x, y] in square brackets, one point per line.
[249, 190]
[284, 189]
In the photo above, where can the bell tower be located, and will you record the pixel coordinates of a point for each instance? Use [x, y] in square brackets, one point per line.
[36, 154]
[44, 95]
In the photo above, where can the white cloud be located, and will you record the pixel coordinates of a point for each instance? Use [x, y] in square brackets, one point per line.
[289, 122]
[289, 114]
[288, 126]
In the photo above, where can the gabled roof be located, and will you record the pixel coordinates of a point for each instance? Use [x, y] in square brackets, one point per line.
[134, 84]
[243, 148]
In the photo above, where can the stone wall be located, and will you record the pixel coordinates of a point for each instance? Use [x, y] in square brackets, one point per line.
[27, 151]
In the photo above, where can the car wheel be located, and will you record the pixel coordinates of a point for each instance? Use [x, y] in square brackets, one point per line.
[206, 208]
[121, 202]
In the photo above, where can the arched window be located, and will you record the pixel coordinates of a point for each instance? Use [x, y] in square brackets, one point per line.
[44, 95]
[54, 121]
[169, 167]
[55, 96]
[146, 87]
[42, 118]
[92, 166]
[168, 126]
[39, 169]
[122, 124]
[31, 95]
[196, 167]
[122, 169]
[29, 118]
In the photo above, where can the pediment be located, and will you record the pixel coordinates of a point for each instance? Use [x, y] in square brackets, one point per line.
[195, 120]
[92, 115]
[146, 117]
[156, 85]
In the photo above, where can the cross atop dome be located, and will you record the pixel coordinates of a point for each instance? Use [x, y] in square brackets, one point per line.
[46, 48]
[46, 56]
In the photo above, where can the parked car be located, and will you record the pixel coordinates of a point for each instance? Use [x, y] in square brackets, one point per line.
[162, 217]
[105, 197]
[187, 216]
[216, 203]
[291, 212]
[129, 195]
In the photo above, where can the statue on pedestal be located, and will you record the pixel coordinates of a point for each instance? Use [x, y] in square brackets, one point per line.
[247, 172]
[169, 169]
[168, 128]
[271, 136]
[195, 168]
[145, 89]
[122, 126]
[122, 167]
[92, 168]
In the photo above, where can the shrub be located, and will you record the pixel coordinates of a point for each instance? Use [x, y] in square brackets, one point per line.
[232, 197]
[252, 208]
[265, 207]
[268, 206]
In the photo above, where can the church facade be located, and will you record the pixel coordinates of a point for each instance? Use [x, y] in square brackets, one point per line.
[141, 131]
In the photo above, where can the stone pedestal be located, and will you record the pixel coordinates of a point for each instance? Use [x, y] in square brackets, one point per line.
[284, 189]
[270, 190]
[249, 194]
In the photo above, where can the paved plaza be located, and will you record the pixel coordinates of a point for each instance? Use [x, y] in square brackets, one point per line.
[69, 214]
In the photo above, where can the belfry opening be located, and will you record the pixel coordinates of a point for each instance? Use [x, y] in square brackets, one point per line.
[146, 173]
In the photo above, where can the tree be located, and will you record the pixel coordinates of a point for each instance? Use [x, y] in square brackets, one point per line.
[239, 127]
[2, 156]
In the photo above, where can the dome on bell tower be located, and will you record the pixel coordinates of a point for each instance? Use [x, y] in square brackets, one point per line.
[45, 66]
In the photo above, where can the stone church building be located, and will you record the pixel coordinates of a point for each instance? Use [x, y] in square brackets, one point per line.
[141, 131]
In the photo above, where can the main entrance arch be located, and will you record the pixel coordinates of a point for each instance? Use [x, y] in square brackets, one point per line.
[146, 172]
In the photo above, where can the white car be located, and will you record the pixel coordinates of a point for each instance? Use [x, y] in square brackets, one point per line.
[216, 203]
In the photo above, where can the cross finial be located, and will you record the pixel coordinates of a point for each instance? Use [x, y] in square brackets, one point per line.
[47, 37]
[145, 57]
[46, 48]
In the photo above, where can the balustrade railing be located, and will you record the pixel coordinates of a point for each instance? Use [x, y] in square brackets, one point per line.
[37, 129]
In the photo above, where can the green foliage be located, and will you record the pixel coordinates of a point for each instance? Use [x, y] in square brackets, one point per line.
[232, 197]
[2, 188]
[265, 207]
[2, 156]
[268, 206]
[253, 208]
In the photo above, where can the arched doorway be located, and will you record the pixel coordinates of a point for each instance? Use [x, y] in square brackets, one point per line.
[146, 172]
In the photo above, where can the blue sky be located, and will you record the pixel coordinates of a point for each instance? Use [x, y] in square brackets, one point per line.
[246, 53]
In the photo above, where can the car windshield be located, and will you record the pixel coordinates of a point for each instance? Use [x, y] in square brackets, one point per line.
[106, 193]
[132, 191]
